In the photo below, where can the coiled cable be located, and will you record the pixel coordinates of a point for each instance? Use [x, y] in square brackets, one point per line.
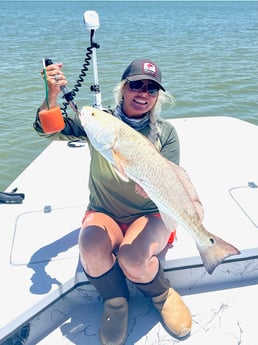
[80, 80]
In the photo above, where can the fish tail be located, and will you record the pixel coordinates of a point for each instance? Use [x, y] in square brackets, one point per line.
[217, 250]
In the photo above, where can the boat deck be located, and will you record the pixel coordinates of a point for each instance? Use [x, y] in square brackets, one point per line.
[219, 317]
[43, 285]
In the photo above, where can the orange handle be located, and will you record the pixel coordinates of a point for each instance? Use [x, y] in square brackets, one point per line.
[52, 120]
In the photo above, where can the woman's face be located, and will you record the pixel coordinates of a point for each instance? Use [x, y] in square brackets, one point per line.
[138, 101]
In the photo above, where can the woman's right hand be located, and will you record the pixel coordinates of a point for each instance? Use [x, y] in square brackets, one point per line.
[55, 79]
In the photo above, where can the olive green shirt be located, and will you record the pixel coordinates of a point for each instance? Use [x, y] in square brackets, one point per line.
[108, 192]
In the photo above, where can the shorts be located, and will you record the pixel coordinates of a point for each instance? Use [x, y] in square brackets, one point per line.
[125, 226]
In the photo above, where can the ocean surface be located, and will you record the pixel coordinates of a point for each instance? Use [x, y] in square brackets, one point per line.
[207, 52]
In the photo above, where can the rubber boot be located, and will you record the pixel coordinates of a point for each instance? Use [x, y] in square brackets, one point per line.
[174, 313]
[113, 289]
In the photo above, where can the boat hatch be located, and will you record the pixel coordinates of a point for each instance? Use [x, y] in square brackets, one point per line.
[45, 235]
[246, 198]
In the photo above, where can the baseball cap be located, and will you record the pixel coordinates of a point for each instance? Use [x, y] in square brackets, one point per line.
[143, 69]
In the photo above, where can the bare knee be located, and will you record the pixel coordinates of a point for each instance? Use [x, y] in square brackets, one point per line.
[144, 240]
[94, 242]
[133, 262]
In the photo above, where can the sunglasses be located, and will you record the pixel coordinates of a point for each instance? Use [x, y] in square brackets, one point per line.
[138, 85]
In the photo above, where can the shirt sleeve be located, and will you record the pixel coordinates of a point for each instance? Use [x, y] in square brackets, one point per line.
[72, 130]
[170, 142]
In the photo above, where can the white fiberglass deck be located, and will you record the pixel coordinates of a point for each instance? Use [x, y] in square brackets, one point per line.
[219, 317]
[39, 255]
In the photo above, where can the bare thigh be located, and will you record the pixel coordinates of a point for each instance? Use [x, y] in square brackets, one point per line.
[106, 223]
[145, 238]
[99, 237]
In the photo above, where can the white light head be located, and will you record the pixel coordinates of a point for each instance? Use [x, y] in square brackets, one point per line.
[91, 20]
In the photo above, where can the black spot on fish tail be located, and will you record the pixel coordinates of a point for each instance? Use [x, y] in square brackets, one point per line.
[212, 255]
[211, 240]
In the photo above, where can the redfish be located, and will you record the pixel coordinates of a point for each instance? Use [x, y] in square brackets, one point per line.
[168, 185]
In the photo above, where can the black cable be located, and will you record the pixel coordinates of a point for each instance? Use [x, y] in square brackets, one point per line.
[81, 77]
[83, 71]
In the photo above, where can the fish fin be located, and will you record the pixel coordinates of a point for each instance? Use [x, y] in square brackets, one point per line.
[120, 174]
[119, 161]
[139, 190]
[213, 254]
[189, 189]
[169, 221]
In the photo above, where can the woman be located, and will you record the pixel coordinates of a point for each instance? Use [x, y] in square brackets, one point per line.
[122, 233]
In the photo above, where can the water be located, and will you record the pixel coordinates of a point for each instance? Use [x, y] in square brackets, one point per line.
[207, 52]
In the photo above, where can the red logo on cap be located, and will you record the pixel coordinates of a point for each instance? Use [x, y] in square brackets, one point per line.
[149, 68]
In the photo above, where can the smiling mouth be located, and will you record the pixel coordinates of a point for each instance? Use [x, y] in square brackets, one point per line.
[140, 101]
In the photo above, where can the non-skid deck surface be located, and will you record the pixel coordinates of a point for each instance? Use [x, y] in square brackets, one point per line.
[220, 317]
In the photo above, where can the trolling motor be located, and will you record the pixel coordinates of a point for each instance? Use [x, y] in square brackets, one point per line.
[91, 20]
[52, 118]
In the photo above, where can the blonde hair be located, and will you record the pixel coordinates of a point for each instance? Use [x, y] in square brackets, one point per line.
[163, 98]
